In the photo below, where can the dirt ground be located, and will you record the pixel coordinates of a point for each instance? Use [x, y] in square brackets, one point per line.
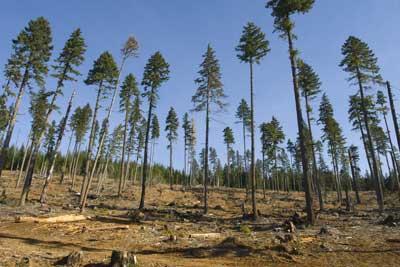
[162, 235]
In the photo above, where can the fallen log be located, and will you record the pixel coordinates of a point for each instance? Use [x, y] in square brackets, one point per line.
[205, 235]
[56, 219]
[118, 227]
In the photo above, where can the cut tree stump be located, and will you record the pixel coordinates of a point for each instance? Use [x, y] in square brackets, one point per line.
[123, 259]
[74, 259]
[57, 219]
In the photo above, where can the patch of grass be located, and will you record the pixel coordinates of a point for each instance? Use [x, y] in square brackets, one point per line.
[245, 229]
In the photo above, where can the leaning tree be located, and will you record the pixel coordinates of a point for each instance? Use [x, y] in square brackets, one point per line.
[309, 85]
[282, 10]
[31, 53]
[70, 58]
[361, 64]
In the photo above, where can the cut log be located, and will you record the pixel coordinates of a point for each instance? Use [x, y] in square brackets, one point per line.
[57, 219]
[123, 259]
[205, 235]
[118, 227]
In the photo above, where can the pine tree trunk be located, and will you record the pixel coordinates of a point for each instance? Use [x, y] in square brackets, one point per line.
[13, 120]
[88, 180]
[314, 163]
[206, 178]
[91, 139]
[307, 183]
[375, 174]
[170, 164]
[146, 148]
[185, 158]
[22, 167]
[396, 127]
[29, 175]
[228, 166]
[71, 166]
[354, 174]
[245, 158]
[122, 175]
[252, 164]
[64, 167]
[394, 114]
[75, 166]
[56, 148]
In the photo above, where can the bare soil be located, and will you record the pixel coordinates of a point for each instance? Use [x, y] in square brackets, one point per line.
[162, 234]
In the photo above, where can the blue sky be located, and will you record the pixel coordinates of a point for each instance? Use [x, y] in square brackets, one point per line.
[182, 29]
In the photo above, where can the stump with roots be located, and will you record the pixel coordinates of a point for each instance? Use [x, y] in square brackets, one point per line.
[123, 259]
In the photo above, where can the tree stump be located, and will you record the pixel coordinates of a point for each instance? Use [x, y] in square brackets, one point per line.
[123, 259]
[74, 259]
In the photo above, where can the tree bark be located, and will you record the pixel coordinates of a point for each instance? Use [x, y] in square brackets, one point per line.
[375, 174]
[314, 163]
[354, 174]
[252, 164]
[56, 148]
[396, 128]
[300, 121]
[206, 178]
[13, 120]
[122, 175]
[170, 164]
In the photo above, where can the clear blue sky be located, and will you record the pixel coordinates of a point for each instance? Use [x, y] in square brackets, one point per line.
[181, 30]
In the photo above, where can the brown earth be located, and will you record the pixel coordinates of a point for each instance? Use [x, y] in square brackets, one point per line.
[162, 234]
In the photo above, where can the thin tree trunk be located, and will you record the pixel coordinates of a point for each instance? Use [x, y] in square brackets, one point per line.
[63, 169]
[88, 180]
[27, 148]
[170, 164]
[397, 132]
[91, 139]
[307, 184]
[13, 119]
[252, 165]
[375, 174]
[228, 166]
[146, 148]
[353, 173]
[314, 161]
[53, 159]
[206, 179]
[245, 158]
[122, 175]
[74, 156]
[75, 166]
